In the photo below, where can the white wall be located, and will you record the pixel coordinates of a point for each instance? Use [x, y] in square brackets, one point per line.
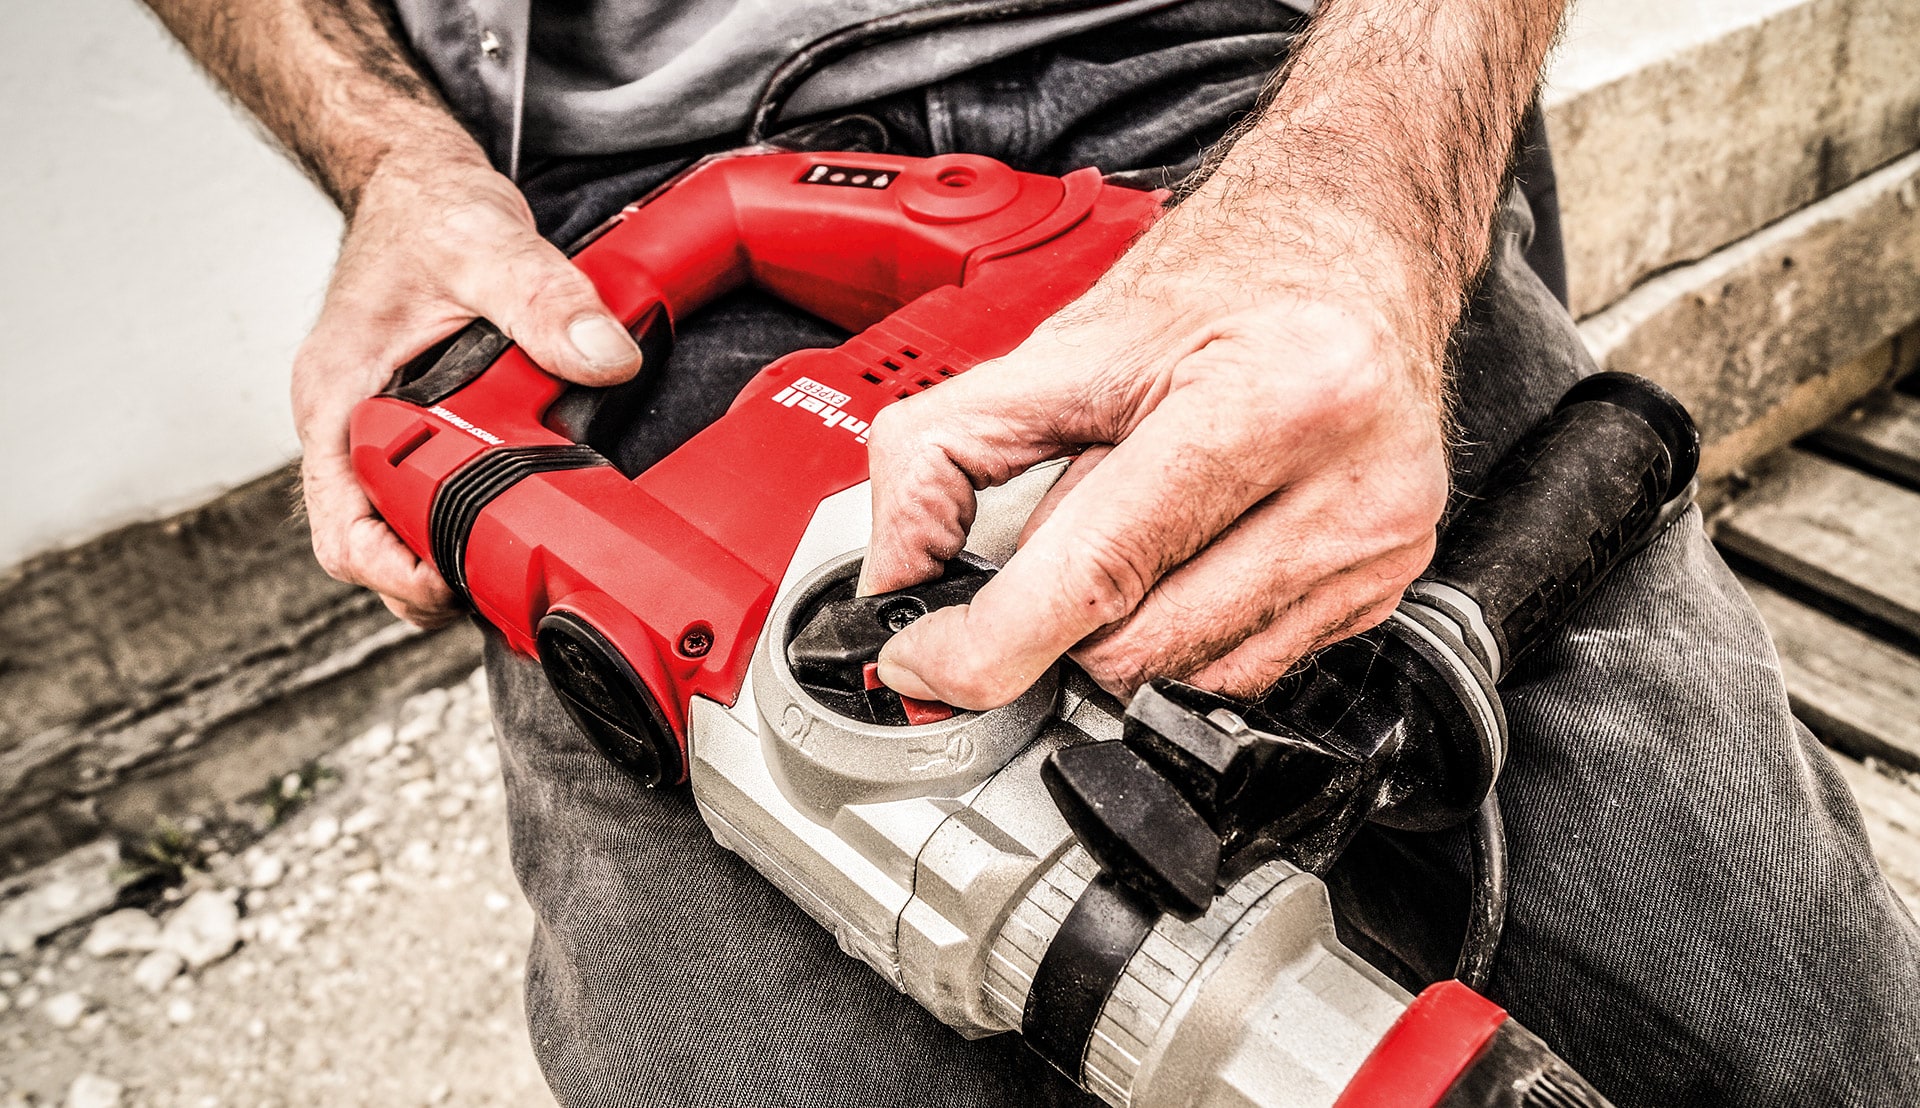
[158, 265]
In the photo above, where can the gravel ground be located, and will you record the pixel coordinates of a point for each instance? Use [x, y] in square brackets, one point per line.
[367, 951]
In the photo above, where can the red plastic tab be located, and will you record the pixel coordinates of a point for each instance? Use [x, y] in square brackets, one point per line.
[1426, 1049]
[918, 711]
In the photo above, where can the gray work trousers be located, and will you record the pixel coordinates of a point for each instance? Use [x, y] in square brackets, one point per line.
[1696, 918]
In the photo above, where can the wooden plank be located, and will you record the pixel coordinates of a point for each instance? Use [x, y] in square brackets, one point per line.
[1882, 434]
[1892, 811]
[1857, 693]
[1839, 532]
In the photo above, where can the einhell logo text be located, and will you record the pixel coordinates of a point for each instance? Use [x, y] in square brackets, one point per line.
[810, 395]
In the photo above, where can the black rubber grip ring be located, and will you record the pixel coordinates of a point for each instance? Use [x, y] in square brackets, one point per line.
[461, 497]
[1079, 970]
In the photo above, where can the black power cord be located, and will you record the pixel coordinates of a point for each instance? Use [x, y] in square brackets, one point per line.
[1487, 913]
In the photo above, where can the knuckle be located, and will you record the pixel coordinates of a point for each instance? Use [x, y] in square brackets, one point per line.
[892, 432]
[533, 290]
[475, 223]
[332, 556]
[1113, 667]
[1109, 576]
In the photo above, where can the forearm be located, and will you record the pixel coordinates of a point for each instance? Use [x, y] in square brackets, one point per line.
[329, 78]
[1383, 152]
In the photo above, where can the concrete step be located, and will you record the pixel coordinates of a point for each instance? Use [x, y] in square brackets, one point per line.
[1680, 128]
[1772, 335]
[173, 667]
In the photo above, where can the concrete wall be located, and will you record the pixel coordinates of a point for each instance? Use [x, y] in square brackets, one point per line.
[161, 264]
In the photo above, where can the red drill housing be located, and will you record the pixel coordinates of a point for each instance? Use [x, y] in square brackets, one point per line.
[640, 594]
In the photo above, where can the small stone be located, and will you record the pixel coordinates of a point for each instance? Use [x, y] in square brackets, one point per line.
[266, 871]
[362, 821]
[322, 832]
[28, 997]
[439, 1094]
[290, 786]
[90, 1090]
[376, 741]
[256, 1028]
[128, 931]
[450, 807]
[63, 892]
[179, 1010]
[154, 971]
[417, 855]
[10, 979]
[205, 929]
[483, 760]
[421, 715]
[416, 731]
[92, 1023]
[362, 883]
[497, 902]
[289, 937]
[63, 1010]
[415, 792]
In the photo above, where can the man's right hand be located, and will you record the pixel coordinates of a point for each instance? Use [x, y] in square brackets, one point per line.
[436, 239]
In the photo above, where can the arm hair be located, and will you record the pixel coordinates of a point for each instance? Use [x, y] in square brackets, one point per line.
[329, 79]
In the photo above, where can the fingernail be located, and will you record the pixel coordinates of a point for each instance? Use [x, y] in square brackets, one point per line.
[602, 342]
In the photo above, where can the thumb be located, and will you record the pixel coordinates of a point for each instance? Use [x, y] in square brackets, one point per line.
[551, 309]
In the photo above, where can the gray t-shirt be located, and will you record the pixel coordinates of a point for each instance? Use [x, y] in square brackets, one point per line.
[573, 77]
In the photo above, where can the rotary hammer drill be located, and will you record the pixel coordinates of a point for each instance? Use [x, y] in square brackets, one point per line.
[1133, 888]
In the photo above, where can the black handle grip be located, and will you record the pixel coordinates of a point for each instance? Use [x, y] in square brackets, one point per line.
[449, 365]
[1577, 495]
